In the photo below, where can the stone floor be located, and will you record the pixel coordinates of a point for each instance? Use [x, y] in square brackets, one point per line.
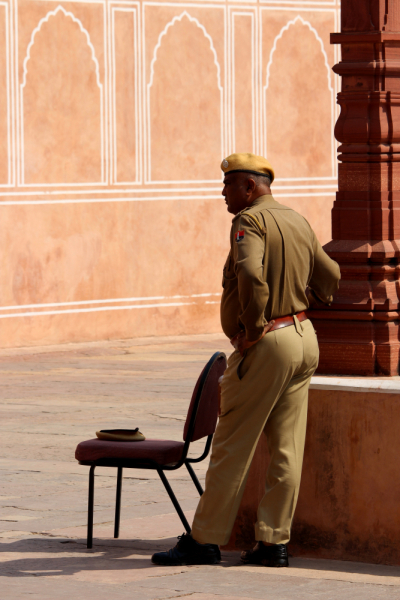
[54, 397]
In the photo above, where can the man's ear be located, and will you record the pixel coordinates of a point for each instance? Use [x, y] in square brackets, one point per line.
[251, 185]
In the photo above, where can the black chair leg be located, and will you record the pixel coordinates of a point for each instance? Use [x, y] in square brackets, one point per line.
[89, 541]
[174, 500]
[118, 503]
[194, 478]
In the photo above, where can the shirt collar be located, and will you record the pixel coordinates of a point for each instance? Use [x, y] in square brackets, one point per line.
[266, 201]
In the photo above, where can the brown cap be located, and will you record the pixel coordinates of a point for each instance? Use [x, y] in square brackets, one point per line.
[246, 162]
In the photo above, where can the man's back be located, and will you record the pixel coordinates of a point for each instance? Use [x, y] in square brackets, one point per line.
[274, 256]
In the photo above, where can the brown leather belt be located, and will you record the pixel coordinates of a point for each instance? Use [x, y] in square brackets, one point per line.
[279, 323]
[288, 320]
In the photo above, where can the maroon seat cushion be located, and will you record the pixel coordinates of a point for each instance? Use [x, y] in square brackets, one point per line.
[163, 452]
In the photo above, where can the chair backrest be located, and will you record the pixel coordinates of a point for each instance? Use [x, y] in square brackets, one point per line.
[202, 415]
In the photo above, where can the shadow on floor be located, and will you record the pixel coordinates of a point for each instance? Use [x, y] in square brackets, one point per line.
[123, 554]
[106, 555]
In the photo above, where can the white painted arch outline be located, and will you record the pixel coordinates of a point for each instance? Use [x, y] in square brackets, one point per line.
[45, 19]
[300, 19]
[149, 85]
[164, 33]
[279, 36]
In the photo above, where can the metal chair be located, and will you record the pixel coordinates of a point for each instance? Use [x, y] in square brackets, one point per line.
[159, 455]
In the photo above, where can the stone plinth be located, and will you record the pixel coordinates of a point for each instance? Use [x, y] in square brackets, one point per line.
[359, 335]
[348, 506]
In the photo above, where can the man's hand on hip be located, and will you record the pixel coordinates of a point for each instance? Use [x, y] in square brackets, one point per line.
[241, 343]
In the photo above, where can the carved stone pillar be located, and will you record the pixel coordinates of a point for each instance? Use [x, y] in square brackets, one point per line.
[359, 333]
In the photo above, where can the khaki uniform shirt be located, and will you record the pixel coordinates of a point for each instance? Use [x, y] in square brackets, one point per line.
[274, 256]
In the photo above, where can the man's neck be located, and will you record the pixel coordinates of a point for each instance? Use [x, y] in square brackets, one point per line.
[252, 201]
[266, 191]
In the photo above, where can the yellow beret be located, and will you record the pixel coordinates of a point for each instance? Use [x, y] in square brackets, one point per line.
[247, 163]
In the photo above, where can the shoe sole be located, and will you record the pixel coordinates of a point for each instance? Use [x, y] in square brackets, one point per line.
[184, 564]
[265, 563]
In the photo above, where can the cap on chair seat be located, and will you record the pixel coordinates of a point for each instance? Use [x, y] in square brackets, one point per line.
[163, 452]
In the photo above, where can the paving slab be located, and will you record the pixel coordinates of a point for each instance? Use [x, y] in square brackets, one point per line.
[51, 398]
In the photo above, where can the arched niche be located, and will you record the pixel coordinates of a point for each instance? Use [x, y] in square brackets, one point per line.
[62, 138]
[185, 105]
[299, 104]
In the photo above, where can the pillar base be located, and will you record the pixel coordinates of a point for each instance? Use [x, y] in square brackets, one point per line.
[353, 347]
[366, 360]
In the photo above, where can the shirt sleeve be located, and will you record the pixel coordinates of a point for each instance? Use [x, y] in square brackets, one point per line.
[248, 252]
[325, 276]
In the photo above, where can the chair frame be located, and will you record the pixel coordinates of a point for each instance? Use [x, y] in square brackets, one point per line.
[121, 463]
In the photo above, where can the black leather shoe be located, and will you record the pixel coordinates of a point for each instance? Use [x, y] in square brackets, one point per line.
[188, 552]
[268, 556]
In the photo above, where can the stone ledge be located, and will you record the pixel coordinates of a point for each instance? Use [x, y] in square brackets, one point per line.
[389, 385]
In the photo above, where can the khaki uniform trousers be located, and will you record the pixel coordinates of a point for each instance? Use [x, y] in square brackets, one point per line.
[266, 391]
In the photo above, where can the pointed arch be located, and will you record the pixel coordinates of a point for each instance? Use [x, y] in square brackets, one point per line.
[315, 32]
[299, 104]
[62, 143]
[163, 119]
[164, 33]
[45, 19]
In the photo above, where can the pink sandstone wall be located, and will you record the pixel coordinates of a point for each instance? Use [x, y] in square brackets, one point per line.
[114, 117]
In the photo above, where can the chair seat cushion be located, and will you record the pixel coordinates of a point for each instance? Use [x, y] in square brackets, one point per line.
[163, 452]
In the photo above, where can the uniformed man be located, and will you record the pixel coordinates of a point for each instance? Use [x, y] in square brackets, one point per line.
[275, 265]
